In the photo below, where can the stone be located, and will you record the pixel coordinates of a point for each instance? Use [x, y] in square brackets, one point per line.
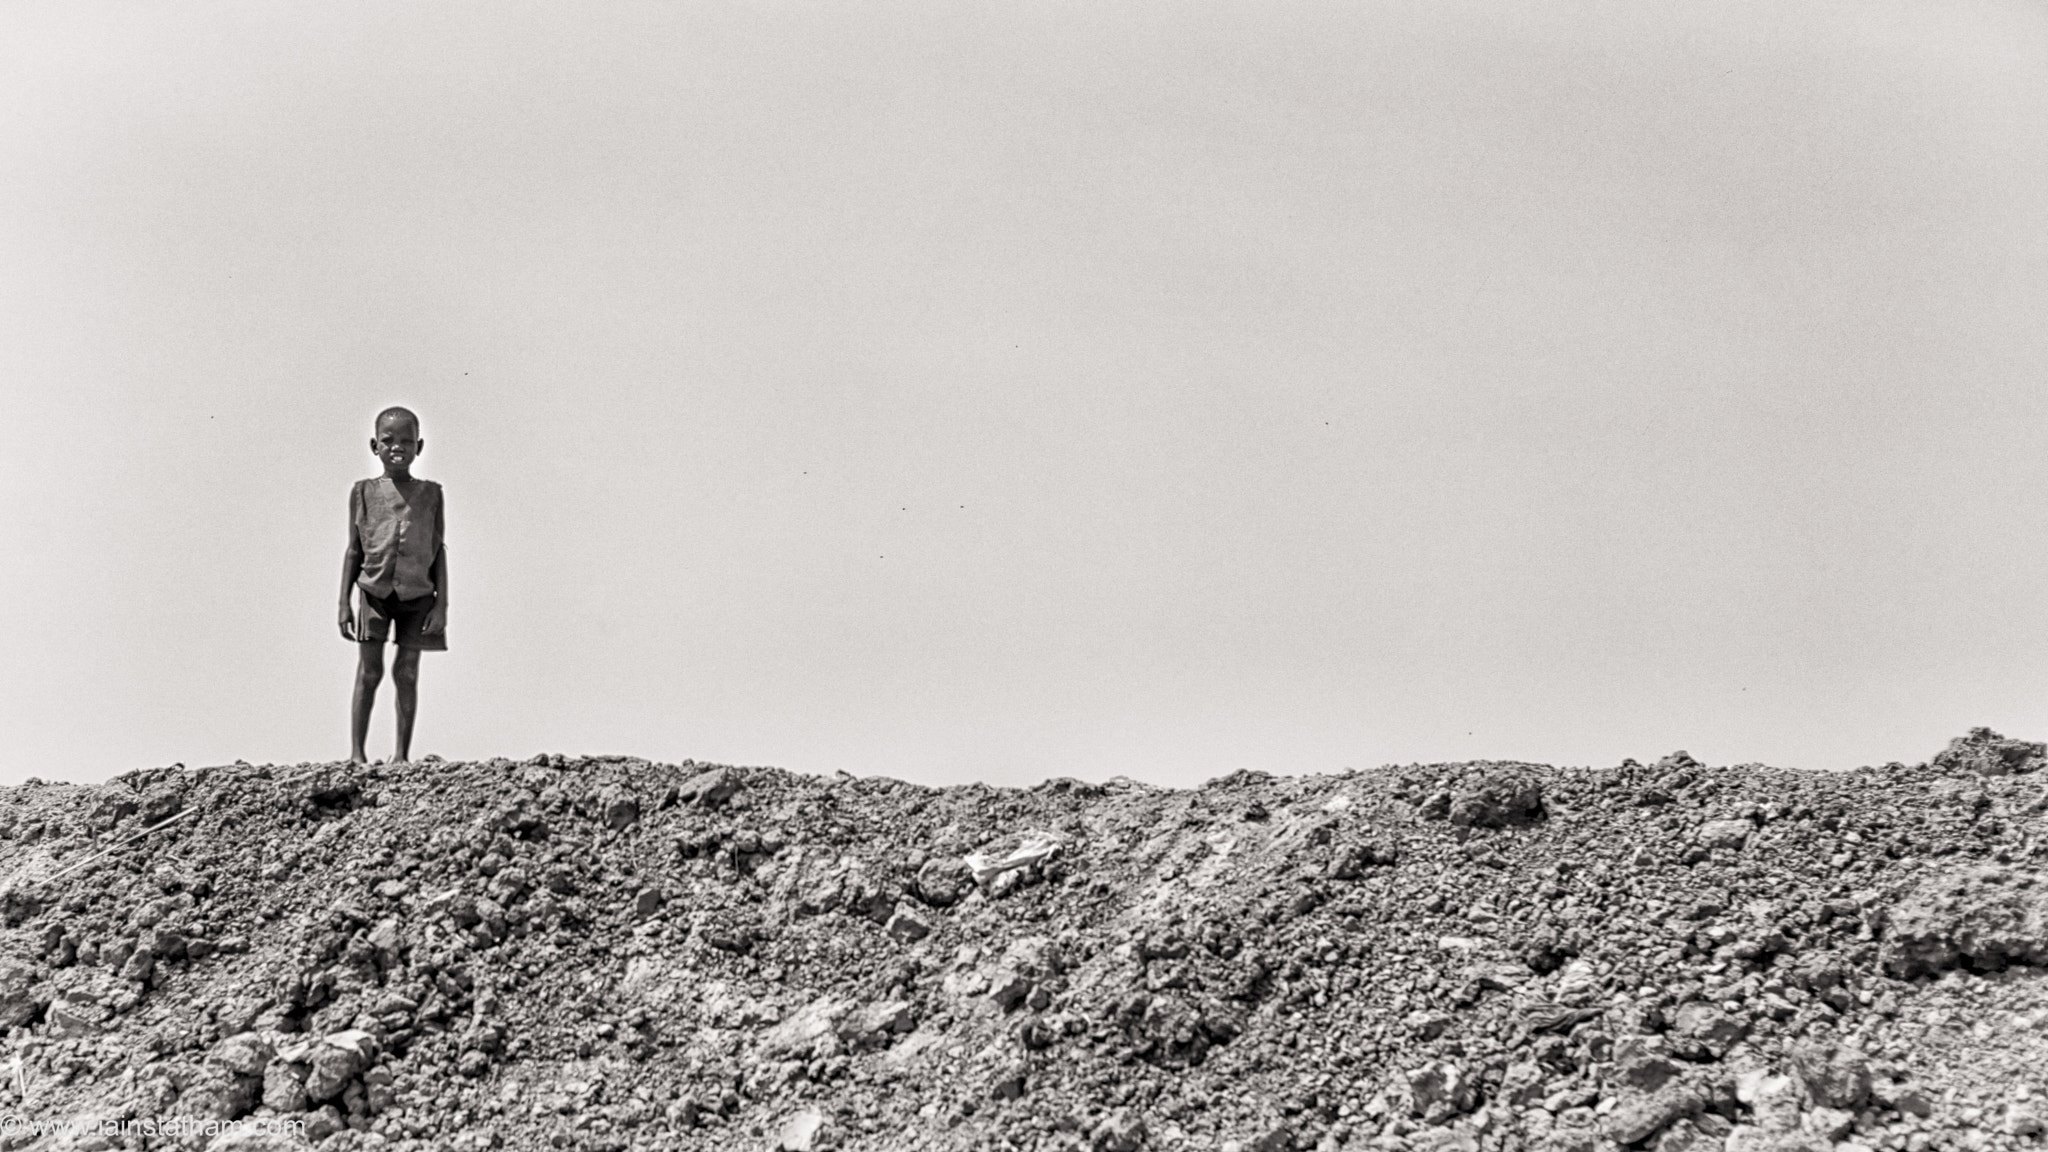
[906, 925]
[618, 808]
[1986, 753]
[384, 939]
[800, 1032]
[161, 802]
[1496, 801]
[1121, 1131]
[323, 1122]
[244, 1054]
[2024, 1118]
[873, 1024]
[1646, 1072]
[1522, 1084]
[1774, 1101]
[1732, 834]
[1439, 1091]
[334, 1062]
[709, 789]
[1827, 1123]
[943, 881]
[1008, 988]
[284, 1087]
[328, 1071]
[646, 902]
[215, 1094]
[1638, 1115]
[1279, 1139]
[1986, 916]
[1008, 1083]
[1750, 1138]
[800, 1133]
[1834, 1076]
[1349, 861]
[1706, 1028]
[1682, 1136]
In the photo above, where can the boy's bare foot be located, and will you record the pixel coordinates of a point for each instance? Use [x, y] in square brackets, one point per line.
[358, 758]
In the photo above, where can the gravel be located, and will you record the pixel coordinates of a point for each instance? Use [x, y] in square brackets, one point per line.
[608, 953]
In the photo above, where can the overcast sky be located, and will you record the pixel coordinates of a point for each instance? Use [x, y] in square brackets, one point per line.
[998, 392]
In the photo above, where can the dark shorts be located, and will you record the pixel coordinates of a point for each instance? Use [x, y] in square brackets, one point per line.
[380, 613]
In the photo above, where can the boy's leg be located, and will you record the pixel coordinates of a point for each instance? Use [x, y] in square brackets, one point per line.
[405, 675]
[369, 674]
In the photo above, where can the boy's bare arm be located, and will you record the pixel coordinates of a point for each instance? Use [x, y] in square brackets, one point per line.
[437, 616]
[351, 567]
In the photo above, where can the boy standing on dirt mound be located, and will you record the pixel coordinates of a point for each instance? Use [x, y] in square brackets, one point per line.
[396, 560]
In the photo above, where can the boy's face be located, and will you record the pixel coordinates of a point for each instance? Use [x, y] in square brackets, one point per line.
[397, 444]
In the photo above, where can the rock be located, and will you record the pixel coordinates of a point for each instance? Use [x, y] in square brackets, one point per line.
[2025, 1118]
[1774, 1101]
[1279, 1139]
[331, 1063]
[162, 802]
[1121, 1131]
[328, 1071]
[1424, 1024]
[1522, 1084]
[800, 1133]
[1731, 834]
[215, 1094]
[646, 902]
[1834, 1077]
[1638, 1115]
[244, 1054]
[284, 1087]
[1683, 1136]
[67, 1018]
[1984, 917]
[906, 925]
[473, 1063]
[1913, 1100]
[943, 881]
[1008, 1083]
[709, 789]
[874, 1024]
[1703, 1028]
[800, 1032]
[1646, 1073]
[618, 808]
[1986, 753]
[1829, 1124]
[1438, 1091]
[385, 941]
[323, 1122]
[1497, 801]
[1009, 988]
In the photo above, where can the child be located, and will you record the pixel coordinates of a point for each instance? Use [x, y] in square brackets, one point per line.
[395, 557]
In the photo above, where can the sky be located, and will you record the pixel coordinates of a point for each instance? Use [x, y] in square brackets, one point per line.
[1000, 392]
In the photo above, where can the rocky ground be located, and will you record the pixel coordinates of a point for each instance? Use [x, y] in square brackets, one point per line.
[606, 953]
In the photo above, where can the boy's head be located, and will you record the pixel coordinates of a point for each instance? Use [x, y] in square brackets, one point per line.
[397, 441]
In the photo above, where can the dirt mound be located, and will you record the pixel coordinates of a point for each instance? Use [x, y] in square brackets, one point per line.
[1987, 753]
[605, 953]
